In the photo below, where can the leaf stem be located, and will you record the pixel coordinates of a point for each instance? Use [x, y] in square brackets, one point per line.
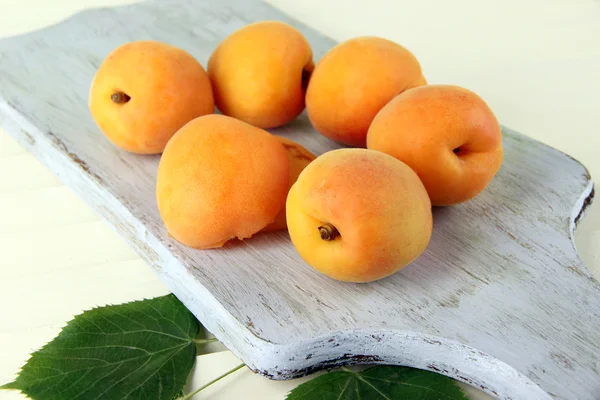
[346, 369]
[204, 341]
[195, 392]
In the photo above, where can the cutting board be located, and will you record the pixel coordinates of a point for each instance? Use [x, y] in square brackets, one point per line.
[499, 300]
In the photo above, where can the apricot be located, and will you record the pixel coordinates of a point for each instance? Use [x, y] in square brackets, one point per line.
[144, 91]
[358, 215]
[353, 81]
[259, 73]
[299, 157]
[447, 134]
[219, 179]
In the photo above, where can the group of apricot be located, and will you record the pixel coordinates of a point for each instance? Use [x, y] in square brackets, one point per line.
[358, 213]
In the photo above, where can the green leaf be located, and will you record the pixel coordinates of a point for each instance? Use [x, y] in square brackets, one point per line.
[379, 383]
[138, 350]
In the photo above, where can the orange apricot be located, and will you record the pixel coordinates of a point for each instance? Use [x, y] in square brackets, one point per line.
[447, 134]
[219, 179]
[299, 157]
[144, 91]
[358, 215]
[353, 81]
[259, 73]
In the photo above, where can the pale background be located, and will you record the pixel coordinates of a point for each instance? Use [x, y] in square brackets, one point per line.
[536, 62]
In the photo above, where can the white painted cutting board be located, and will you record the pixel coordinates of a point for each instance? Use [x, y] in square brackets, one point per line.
[499, 300]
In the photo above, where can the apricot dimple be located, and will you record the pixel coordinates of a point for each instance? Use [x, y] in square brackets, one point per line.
[299, 157]
[260, 72]
[144, 91]
[353, 81]
[447, 134]
[358, 215]
[220, 178]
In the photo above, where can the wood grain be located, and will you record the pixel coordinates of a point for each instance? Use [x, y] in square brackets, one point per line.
[499, 300]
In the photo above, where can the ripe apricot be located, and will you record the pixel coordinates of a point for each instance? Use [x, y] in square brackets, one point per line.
[358, 215]
[447, 134]
[144, 91]
[218, 179]
[353, 81]
[259, 73]
[299, 157]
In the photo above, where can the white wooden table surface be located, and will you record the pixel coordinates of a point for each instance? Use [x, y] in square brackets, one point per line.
[536, 62]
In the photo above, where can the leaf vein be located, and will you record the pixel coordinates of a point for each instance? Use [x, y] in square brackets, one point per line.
[108, 364]
[155, 372]
[51, 386]
[170, 320]
[374, 388]
[411, 385]
[344, 389]
[91, 321]
[129, 332]
[110, 371]
[149, 316]
[129, 318]
[123, 378]
[107, 346]
[74, 383]
[111, 322]
[157, 311]
[322, 381]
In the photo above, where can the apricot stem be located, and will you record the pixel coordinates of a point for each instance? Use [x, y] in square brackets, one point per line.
[328, 232]
[119, 97]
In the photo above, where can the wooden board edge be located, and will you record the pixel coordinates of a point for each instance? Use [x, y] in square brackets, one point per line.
[585, 198]
[582, 205]
[412, 349]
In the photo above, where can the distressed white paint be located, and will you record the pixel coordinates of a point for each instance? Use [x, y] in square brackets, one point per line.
[500, 298]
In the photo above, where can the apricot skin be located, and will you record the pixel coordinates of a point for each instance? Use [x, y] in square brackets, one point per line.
[353, 81]
[447, 134]
[166, 87]
[259, 73]
[218, 179]
[299, 157]
[378, 205]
